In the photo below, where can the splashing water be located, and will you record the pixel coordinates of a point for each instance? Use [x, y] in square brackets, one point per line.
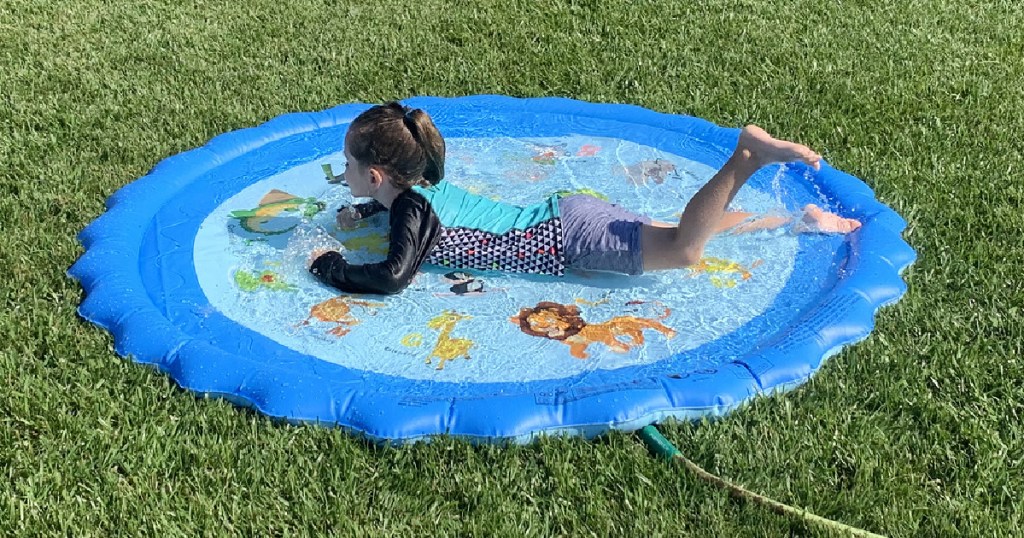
[781, 193]
[823, 201]
[305, 240]
[778, 190]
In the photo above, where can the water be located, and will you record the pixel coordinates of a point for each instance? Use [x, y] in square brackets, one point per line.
[739, 281]
[306, 239]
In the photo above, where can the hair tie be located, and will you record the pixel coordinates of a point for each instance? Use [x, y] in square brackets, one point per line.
[409, 122]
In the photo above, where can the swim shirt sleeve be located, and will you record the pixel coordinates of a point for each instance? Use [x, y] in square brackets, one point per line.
[369, 208]
[414, 231]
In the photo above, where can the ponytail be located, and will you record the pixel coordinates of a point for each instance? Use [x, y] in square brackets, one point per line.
[429, 138]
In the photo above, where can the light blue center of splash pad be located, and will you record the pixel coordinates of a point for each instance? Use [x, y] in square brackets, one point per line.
[747, 271]
[198, 269]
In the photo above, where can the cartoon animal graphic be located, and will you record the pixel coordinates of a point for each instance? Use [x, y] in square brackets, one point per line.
[564, 193]
[269, 280]
[330, 177]
[374, 243]
[448, 348]
[278, 212]
[548, 154]
[563, 323]
[338, 310]
[586, 302]
[532, 174]
[465, 284]
[716, 267]
[657, 170]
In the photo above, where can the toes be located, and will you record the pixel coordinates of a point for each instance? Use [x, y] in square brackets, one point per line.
[810, 157]
[817, 220]
[841, 225]
[813, 210]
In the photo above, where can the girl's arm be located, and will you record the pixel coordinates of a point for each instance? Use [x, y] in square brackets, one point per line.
[350, 214]
[414, 231]
[369, 209]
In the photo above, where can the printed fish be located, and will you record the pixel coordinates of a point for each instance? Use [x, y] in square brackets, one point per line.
[270, 280]
[277, 213]
[720, 266]
[548, 154]
[657, 170]
[570, 192]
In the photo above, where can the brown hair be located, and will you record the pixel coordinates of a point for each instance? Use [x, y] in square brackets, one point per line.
[404, 142]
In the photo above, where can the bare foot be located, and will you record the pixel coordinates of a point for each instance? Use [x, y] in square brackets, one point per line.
[766, 150]
[815, 220]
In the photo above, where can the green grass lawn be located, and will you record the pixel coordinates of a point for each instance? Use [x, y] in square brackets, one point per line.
[916, 431]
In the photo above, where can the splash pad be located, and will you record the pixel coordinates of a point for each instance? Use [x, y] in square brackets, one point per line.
[197, 268]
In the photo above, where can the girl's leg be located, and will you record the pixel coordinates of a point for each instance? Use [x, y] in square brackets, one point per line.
[683, 245]
[814, 220]
[737, 222]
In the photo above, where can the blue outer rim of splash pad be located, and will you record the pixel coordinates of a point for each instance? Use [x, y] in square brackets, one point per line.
[301, 388]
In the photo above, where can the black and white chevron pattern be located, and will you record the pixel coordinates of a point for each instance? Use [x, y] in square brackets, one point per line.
[537, 249]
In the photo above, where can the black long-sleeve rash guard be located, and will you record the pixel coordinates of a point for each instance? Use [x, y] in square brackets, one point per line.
[415, 229]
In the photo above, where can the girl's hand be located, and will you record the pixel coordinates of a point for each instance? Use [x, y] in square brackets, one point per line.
[347, 217]
[316, 254]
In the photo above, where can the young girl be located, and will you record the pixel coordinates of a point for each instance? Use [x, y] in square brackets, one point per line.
[396, 156]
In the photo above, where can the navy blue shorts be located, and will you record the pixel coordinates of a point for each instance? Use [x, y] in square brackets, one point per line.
[599, 236]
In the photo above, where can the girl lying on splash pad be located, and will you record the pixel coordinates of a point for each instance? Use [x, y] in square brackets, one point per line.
[395, 155]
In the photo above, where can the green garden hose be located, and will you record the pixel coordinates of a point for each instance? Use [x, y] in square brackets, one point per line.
[662, 447]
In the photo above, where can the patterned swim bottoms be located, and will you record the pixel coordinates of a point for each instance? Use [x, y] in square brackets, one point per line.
[599, 236]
